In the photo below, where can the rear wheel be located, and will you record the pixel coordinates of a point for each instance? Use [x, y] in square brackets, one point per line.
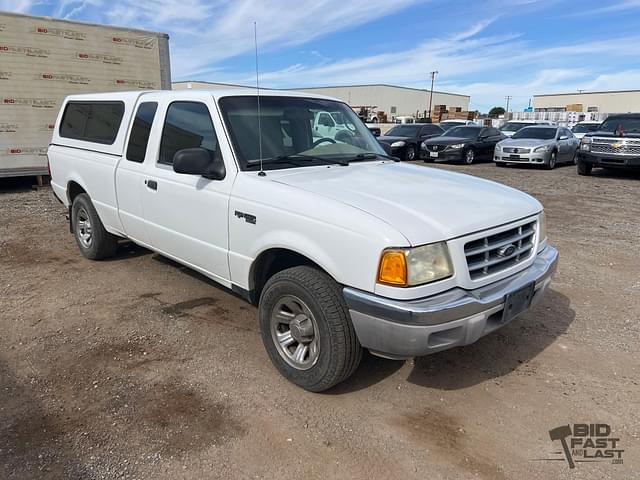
[306, 328]
[584, 168]
[93, 240]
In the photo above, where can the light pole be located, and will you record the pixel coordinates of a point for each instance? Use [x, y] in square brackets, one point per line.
[508, 98]
[433, 77]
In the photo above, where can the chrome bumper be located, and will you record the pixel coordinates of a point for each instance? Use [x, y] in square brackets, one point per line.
[409, 328]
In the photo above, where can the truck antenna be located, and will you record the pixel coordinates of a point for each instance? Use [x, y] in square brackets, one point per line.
[261, 173]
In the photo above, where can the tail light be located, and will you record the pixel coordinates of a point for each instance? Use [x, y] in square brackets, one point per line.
[49, 166]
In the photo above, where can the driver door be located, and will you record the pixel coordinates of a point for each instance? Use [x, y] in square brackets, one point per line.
[187, 215]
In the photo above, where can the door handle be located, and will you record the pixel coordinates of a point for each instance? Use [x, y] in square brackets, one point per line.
[152, 184]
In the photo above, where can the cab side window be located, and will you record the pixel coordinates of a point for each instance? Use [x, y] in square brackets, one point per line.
[139, 138]
[187, 125]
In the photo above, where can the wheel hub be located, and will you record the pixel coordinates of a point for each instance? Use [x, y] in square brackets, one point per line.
[295, 332]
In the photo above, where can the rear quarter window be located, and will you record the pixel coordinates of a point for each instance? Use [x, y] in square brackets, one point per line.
[96, 122]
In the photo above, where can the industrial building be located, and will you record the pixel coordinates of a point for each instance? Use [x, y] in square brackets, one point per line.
[621, 101]
[394, 101]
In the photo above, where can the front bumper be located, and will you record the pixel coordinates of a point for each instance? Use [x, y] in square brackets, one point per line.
[409, 328]
[609, 160]
[534, 158]
[443, 155]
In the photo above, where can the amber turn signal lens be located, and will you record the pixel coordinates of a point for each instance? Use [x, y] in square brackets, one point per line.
[393, 268]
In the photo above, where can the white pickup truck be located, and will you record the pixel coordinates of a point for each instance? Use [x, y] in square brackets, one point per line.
[340, 246]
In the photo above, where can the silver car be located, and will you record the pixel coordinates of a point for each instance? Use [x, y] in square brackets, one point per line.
[544, 145]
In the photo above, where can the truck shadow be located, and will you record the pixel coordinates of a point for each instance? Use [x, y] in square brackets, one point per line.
[511, 348]
[500, 353]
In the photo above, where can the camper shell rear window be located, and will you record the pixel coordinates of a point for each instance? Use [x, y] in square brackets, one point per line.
[96, 122]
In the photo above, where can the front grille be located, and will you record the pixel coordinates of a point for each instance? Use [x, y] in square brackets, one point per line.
[516, 150]
[497, 252]
[616, 146]
[436, 148]
[621, 150]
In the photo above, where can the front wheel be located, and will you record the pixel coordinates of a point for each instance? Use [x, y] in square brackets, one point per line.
[92, 238]
[551, 163]
[410, 153]
[469, 156]
[584, 168]
[306, 328]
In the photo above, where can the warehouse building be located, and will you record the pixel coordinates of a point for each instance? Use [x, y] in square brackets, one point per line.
[620, 101]
[394, 101]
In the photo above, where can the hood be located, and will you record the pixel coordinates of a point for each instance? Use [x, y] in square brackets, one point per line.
[391, 139]
[525, 142]
[444, 140]
[424, 204]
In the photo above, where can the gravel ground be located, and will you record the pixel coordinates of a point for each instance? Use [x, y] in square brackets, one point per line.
[140, 368]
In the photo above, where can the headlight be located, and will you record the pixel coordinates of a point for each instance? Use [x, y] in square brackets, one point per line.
[544, 148]
[407, 267]
[585, 143]
[498, 148]
[401, 143]
[457, 146]
[542, 228]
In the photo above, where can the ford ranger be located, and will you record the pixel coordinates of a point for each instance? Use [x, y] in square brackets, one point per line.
[341, 247]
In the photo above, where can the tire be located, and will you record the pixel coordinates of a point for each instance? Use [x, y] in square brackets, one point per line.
[333, 351]
[469, 156]
[94, 242]
[551, 163]
[410, 153]
[584, 168]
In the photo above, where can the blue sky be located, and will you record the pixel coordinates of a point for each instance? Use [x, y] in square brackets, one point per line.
[487, 48]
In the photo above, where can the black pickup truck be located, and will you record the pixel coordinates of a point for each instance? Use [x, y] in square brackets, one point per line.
[616, 144]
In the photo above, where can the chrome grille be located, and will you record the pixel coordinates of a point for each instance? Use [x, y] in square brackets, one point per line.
[620, 149]
[516, 150]
[486, 256]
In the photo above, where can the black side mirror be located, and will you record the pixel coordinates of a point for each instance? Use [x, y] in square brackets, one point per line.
[386, 147]
[198, 161]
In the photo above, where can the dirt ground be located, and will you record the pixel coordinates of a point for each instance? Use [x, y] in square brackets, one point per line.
[140, 368]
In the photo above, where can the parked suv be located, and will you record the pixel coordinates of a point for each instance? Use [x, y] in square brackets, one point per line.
[616, 144]
[341, 247]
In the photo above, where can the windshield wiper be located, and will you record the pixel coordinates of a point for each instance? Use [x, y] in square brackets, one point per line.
[372, 156]
[294, 158]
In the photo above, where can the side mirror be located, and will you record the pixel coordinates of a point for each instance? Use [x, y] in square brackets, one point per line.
[564, 137]
[198, 161]
[386, 147]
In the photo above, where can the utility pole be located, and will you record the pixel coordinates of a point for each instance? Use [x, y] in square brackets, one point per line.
[433, 77]
[508, 99]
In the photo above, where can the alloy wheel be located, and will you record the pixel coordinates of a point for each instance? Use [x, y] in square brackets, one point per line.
[295, 332]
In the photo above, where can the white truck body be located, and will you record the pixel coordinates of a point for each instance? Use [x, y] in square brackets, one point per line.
[42, 60]
[340, 218]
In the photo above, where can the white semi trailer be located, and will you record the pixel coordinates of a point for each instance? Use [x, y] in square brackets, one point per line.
[42, 60]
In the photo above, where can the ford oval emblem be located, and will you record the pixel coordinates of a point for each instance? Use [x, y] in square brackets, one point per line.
[506, 250]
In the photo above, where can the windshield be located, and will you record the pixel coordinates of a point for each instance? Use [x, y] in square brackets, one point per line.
[463, 132]
[585, 127]
[621, 126]
[514, 127]
[447, 125]
[536, 133]
[313, 129]
[404, 131]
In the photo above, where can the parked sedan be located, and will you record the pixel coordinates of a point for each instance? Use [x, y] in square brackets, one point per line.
[405, 139]
[466, 144]
[540, 145]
